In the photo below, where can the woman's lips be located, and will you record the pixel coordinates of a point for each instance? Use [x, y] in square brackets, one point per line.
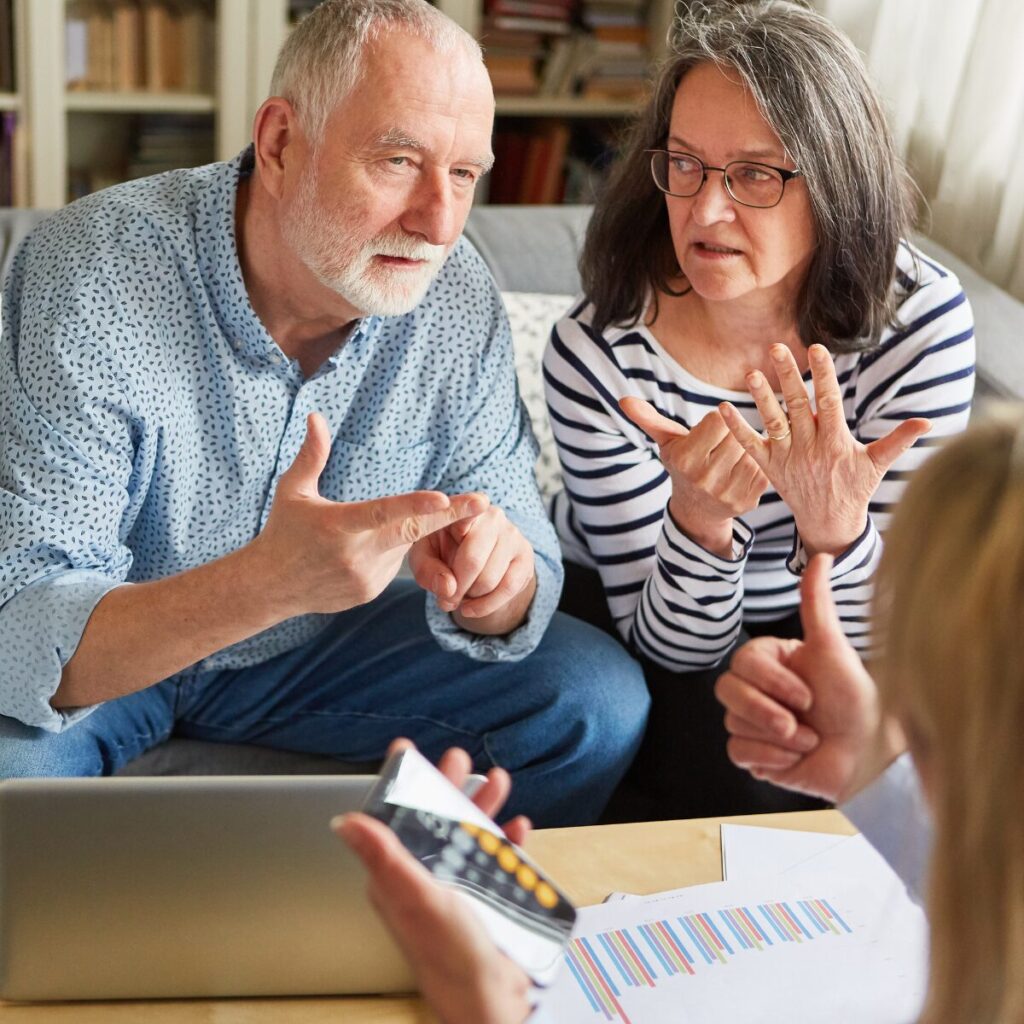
[710, 251]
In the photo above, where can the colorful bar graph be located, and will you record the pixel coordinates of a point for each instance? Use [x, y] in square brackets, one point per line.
[645, 955]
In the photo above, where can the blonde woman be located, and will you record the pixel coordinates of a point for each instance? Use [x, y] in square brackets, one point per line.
[951, 692]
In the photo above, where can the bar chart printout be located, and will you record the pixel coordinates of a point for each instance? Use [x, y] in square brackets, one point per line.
[653, 953]
[756, 951]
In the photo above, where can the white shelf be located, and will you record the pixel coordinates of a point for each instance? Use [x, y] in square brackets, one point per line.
[10, 101]
[140, 102]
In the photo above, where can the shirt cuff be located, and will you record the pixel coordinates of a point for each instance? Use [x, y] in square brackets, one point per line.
[730, 568]
[42, 626]
[893, 816]
[512, 646]
[860, 555]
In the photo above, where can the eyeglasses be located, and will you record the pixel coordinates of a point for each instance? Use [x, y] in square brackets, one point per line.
[749, 183]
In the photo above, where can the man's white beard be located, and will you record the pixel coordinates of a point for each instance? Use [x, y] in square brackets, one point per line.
[347, 266]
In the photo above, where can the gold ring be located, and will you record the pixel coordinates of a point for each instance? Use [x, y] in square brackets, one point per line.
[778, 437]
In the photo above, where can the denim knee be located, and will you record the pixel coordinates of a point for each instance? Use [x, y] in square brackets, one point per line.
[601, 689]
[28, 752]
[582, 717]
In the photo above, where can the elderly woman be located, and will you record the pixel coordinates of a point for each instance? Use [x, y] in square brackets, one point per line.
[951, 681]
[749, 375]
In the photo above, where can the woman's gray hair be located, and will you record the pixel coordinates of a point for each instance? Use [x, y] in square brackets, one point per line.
[812, 88]
[322, 59]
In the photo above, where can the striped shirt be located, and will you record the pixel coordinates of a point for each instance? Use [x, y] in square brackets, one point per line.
[671, 599]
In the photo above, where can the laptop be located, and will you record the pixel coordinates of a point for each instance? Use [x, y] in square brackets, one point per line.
[133, 888]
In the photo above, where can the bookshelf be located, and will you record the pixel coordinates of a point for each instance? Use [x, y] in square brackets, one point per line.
[79, 108]
[176, 85]
[567, 75]
[12, 148]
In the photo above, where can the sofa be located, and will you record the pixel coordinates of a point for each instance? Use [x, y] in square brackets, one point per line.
[532, 252]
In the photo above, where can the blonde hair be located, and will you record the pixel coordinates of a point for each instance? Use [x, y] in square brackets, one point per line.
[951, 614]
[323, 57]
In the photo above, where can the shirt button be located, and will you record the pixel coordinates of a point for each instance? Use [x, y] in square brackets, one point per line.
[236, 344]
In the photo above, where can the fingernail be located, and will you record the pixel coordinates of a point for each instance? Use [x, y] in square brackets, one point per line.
[338, 822]
[778, 353]
[754, 379]
[805, 739]
[441, 585]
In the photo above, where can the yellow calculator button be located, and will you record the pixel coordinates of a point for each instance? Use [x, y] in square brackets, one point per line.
[526, 877]
[489, 842]
[507, 860]
[546, 896]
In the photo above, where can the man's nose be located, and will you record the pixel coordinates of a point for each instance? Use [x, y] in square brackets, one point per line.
[431, 213]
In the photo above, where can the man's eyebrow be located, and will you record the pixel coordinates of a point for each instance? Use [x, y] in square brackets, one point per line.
[399, 138]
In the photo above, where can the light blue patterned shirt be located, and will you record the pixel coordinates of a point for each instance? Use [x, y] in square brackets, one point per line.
[147, 416]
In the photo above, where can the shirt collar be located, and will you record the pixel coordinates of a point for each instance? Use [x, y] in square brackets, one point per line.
[222, 271]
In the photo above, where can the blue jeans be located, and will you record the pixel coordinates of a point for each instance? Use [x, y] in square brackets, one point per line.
[566, 721]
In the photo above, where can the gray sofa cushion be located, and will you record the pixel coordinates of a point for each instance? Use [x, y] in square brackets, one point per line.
[530, 248]
[180, 756]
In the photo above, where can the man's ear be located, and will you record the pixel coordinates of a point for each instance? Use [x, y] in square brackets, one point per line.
[279, 142]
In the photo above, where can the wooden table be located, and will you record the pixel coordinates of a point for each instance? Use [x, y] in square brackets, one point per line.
[587, 862]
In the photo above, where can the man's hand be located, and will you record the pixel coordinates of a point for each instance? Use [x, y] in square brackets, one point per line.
[805, 714]
[461, 973]
[327, 556]
[481, 569]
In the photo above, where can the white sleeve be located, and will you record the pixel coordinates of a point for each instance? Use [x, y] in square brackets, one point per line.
[893, 816]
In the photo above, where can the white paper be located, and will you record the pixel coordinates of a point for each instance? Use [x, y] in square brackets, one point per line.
[874, 971]
[750, 851]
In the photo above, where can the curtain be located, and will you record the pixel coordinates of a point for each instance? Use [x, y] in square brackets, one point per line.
[952, 75]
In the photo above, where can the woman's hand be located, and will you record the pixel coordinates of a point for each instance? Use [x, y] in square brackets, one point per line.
[713, 479]
[455, 765]
[463, 976]
[461, 973]
[805, 714]
[821, 471]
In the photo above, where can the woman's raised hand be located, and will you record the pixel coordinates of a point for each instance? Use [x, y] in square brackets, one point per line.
[713, 479]
[821, 471]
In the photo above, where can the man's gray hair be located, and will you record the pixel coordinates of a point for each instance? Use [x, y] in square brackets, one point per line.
[813, 90]
[322, 60]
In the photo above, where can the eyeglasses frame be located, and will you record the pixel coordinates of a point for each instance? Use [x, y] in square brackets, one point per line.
[783, 172]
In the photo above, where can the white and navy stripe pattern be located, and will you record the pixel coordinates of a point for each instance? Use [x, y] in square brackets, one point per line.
[674, 601]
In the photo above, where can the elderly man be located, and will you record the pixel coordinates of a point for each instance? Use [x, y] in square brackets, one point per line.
[236, 396]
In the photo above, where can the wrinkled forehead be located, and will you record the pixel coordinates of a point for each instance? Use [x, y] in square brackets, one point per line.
[410, 93]
[713, 107]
